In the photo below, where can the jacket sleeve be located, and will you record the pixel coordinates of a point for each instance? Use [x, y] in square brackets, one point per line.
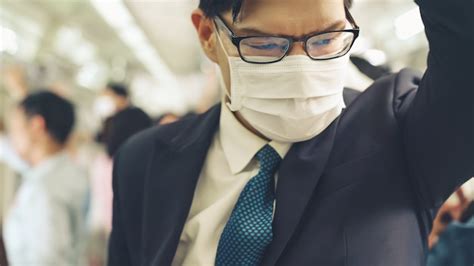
[118, 251]
[439, 124]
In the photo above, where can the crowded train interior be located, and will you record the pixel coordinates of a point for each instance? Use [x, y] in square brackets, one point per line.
[80, 77]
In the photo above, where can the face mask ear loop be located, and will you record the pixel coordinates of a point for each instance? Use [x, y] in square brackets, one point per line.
[220, 40]
[226, 91]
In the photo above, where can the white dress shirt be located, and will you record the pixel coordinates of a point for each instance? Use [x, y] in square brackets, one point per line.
[45, 224]
[229, 165]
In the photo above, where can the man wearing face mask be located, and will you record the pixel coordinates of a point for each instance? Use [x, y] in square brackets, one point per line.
[285, 171]
[114, 98]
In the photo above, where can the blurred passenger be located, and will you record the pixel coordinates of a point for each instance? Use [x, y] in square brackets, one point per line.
[114, 98]
[123, 121]
[123, 125]
[455, 246]
[45, 225]
[117, 129]
[450, 211]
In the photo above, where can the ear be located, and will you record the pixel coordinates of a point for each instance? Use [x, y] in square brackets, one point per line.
[205, 30]
[37, 124]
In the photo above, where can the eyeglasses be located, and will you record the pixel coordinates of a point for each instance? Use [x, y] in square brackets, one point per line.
[270, 49]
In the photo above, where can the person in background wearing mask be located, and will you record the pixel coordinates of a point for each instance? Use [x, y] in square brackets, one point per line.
[46, 222]
[127, 121]
[113, 99]
[285, 171]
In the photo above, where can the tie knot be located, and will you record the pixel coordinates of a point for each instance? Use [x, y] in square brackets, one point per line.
[269, 159]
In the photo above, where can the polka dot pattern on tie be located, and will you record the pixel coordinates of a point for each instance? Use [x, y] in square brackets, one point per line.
[249, 229]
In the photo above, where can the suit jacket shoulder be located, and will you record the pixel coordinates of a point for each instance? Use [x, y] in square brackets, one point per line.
[135, 152]
[134, 157]
[375, 117]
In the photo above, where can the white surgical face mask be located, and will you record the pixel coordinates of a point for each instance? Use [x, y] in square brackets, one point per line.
[288, 101]
[104, 107]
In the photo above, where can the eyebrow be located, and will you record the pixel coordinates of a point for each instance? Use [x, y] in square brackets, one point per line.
[337, 25]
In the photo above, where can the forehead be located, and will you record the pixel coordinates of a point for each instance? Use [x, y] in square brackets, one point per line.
[287, 17]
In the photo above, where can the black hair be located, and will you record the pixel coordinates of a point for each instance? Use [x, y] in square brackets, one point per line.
[118, 88]
[123, 125]
[57, 112]
[213, 8]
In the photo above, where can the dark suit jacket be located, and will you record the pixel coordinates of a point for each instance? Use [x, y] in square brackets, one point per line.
[361, 193]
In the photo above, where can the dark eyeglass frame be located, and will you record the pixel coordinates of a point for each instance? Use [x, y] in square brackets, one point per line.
[291, 40]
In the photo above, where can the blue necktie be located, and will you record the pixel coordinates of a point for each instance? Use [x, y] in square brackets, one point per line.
[249, 229]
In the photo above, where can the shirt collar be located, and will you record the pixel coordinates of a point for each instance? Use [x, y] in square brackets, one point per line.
[42, 168]
[239, 144]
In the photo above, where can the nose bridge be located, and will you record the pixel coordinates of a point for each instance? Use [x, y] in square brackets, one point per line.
[298, 48]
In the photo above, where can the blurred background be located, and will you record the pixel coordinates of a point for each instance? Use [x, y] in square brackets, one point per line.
[75, 48]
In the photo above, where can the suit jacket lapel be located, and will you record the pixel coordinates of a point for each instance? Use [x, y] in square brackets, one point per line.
[298, 176]
[169, 187]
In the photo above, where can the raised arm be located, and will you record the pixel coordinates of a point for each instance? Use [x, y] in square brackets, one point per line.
[439, 125]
